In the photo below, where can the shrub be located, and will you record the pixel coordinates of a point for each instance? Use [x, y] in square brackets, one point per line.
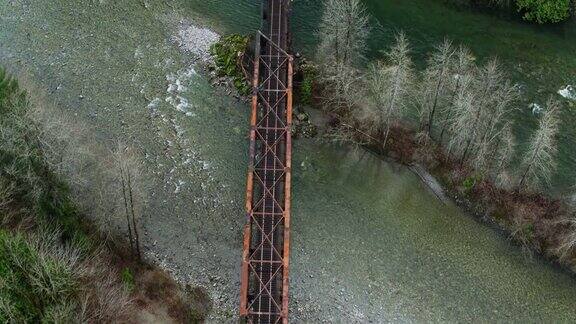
[540, 11]
[127, 279]
[36, 285]
[309, 75]
[469, 183]
[544, 11]
[17, 302]
[226, 55]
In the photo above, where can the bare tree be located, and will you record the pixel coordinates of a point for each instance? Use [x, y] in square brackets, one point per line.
[462, 69]
[342, 88]
[390, 86]
[503, 156]
[538, 164]
[462, 112]
[434, 89]
[343, 32]
[488, 81]
[495, 108]
[481, 103]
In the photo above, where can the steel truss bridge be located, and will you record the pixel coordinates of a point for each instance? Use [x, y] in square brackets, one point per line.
[266, 244]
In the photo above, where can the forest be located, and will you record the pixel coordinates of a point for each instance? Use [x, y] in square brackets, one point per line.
[538, 11]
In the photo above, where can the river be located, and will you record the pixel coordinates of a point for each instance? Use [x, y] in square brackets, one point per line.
[370, 242]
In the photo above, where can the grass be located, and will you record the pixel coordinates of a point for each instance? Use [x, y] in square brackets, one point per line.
[127, 278]
[39, 279]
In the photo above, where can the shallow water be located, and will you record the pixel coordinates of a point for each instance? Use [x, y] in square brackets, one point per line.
[369, 241]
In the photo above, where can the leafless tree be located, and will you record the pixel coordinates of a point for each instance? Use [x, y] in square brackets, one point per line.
[539, 164]
[503, 156]
[483, 100]
[390, 85]
[495, 108]
[343, 32]
[462, 70]
[342, 88]
[462, 112]
[489, 79]
[435, 86]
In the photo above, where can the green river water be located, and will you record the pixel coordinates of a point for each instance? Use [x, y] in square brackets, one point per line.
[370, 242]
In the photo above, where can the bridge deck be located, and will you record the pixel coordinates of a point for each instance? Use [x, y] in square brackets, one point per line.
[264, 278]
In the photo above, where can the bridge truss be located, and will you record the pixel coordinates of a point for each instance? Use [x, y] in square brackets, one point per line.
[266, 244]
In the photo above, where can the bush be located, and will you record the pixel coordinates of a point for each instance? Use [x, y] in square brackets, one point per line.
[309, 76]
[540, 11]
[544, 11]
[36, 286]
[226, 53]
[469, 183]
[127, 279]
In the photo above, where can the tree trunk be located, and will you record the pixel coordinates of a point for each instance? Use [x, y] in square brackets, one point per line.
[134, 225]
[528, 168]
[433, 111]
[385, 138]
[521, 183]
[123, 182]
[463, 158]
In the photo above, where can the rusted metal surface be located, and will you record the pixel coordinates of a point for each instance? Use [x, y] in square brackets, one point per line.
[266, 244]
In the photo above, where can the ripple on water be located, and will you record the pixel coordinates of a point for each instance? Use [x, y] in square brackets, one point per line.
[568, 92]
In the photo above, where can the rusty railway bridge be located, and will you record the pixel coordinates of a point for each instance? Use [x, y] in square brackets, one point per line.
[266, 244]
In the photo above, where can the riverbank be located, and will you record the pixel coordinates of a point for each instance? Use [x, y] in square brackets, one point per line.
[58, 264]
[538, 221]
